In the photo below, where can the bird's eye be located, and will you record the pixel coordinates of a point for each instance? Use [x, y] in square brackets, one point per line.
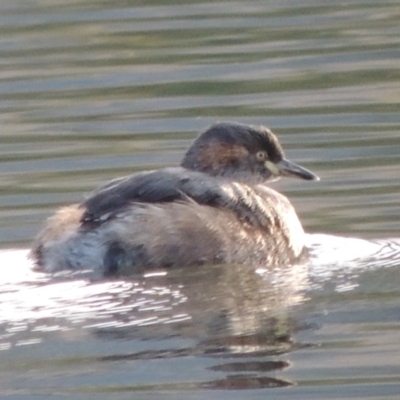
[261, 156]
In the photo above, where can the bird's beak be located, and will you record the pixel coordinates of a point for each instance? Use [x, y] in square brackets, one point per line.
[288, 168]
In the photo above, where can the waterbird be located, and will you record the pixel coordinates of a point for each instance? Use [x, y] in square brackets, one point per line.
[215, 207]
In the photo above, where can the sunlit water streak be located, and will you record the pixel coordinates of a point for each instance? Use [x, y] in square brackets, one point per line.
[28, 296]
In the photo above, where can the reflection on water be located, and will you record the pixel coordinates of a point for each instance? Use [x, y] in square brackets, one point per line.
[234, 305]
[93, 90]
[236, 296]
[214, 314]
[238, 320]
[344, 259]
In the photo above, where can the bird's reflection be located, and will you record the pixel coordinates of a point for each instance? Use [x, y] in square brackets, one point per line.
[232, 312]
[235, 320]
[224, 304]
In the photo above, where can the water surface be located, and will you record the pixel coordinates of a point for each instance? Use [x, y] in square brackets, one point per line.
[93, 90]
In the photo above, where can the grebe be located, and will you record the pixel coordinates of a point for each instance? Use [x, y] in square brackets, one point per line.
[214, 208]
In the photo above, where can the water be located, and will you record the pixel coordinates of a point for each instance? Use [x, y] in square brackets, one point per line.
[93, 90]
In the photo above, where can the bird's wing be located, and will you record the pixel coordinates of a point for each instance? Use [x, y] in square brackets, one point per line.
[159, 186]
[178, 184]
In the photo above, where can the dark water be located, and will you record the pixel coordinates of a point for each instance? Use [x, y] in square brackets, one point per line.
[93, 90]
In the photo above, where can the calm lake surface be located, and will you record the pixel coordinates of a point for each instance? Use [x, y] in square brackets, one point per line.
[91, 90]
